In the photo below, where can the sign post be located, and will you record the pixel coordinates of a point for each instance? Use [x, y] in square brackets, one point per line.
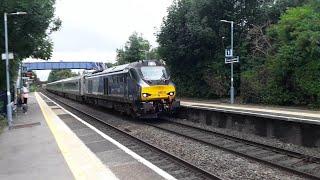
[10, 56]
[230, 59]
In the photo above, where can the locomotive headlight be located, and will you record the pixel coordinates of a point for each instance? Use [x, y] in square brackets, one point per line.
[145, 95]
[171, 93]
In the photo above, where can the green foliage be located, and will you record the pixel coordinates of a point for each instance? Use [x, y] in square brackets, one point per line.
[191, 43]
[135, 49]
[56, 75]
[28, 34]
[109, 65]
[278, 67]
[291, 64]
[296, 50]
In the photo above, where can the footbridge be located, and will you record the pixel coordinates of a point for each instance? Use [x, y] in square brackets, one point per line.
[29, 66]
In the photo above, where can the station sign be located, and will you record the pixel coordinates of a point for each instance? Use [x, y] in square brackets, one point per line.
[229, 53]
[4, 56]
[231, 60]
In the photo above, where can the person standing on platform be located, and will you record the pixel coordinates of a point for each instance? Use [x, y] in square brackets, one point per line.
[24, 97]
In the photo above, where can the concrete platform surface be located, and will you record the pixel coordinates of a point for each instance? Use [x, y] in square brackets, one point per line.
[51, 143]
[283, 113]
[31, 152]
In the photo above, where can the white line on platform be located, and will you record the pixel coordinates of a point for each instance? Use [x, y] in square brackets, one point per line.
[122, 147]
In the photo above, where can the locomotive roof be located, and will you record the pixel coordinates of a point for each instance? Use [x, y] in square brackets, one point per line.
[115, 69]
[125, 67]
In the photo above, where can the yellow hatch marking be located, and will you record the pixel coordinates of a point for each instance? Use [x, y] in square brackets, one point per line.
[81, 161]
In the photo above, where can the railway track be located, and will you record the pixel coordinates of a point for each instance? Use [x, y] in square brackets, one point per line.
[166, 161]
[294, 162]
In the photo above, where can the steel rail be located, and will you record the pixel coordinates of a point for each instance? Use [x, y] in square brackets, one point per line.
[242, 140]
[302, 157]
[149, 145]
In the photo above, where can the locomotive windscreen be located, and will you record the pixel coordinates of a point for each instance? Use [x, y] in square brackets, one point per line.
[154, 73]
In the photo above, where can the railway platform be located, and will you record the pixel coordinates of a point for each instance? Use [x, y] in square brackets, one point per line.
[281, 113]
[290, 125]
[49, 143]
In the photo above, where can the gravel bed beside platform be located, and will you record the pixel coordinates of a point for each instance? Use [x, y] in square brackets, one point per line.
[263, 140]
[225, 164]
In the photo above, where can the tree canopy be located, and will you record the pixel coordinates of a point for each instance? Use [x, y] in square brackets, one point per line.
[28, 34]
[292, 68]
[136, 48]
[56, 75]
[276, 42]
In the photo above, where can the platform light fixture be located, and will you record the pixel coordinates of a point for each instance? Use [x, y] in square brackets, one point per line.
[231, 50]
[9, 105]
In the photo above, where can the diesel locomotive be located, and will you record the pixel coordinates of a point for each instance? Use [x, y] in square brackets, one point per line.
[141, 89]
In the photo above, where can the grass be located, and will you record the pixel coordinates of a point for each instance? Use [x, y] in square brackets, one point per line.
[33, 88]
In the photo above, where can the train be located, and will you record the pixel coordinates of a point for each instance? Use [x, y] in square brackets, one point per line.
[141, 89]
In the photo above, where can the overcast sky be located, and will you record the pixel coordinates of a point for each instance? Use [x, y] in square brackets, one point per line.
[93, 30]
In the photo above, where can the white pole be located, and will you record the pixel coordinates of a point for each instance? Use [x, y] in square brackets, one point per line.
[9, 107]
[232, 88]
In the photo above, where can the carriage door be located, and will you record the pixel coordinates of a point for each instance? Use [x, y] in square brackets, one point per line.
[125, 84]
[106, 87]
[90, 86]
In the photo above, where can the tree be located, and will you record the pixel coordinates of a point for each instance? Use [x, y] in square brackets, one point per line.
[154, 54]
[28, 34]
[135, 49]
[288, 74]
[192, 44]
[109, 64]
[56, 75]
[191, 37]
[295, 63]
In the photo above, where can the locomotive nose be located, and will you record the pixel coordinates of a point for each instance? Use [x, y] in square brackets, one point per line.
[157, 92]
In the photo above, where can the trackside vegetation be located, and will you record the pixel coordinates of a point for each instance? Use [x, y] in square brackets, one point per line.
[278, 43]
[28, 34]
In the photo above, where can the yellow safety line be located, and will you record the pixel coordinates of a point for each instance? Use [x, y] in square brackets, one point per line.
[81, 161]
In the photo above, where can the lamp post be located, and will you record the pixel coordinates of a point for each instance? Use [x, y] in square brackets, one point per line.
[231, 88]
[9, 106]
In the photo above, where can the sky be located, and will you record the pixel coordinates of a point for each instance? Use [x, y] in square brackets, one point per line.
[93, 30]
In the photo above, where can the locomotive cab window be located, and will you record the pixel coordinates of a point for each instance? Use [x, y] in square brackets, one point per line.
[154, 73]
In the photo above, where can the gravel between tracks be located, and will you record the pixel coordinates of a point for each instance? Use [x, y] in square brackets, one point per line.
[221, 163]
[267, 141]
[224, 164]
